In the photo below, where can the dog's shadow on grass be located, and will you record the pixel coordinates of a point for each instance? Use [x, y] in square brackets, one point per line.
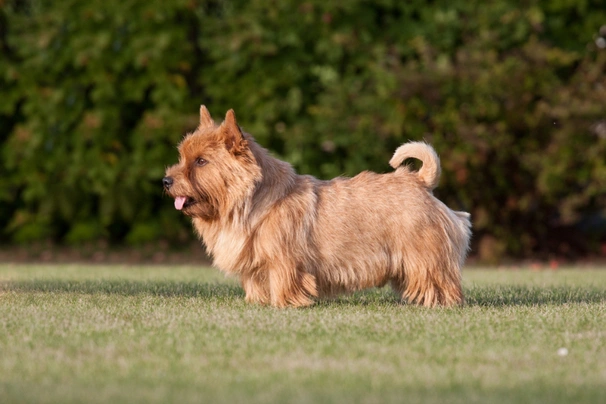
[127, 288]
[523, 295]
[484, 296]
[490, 296]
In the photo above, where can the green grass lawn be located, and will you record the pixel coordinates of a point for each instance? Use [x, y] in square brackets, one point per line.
[110, 334]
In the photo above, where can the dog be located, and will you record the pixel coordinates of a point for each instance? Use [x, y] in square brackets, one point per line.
[293, 238]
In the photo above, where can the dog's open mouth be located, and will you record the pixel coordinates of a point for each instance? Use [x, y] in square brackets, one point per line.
[183, 202]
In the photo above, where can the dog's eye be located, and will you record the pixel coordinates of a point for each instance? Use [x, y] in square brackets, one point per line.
[200, 162]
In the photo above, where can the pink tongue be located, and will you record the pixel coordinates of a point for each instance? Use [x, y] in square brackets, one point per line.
[179, 202]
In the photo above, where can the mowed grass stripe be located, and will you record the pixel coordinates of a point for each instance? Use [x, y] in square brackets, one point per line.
[151, 334]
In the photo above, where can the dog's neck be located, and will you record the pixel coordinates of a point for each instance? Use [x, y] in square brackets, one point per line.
[279, 179]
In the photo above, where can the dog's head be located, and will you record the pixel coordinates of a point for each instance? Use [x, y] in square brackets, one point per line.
[216, 172]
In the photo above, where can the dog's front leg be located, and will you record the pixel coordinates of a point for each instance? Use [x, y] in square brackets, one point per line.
[256, 287]
[290, 287]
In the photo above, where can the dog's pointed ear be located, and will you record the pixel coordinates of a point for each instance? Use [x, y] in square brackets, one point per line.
[232, 134]
[206, 121]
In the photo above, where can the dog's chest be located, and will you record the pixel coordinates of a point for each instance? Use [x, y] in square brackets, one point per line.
[227, 247]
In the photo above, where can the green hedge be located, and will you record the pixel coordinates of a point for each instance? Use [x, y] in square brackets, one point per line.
[96, 94]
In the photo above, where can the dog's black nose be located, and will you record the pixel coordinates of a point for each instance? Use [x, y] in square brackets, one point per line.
[167, 182]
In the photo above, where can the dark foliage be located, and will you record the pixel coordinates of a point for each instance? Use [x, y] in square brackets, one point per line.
[95, 95]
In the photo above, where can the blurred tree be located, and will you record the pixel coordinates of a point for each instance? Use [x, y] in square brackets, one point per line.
[96, 94]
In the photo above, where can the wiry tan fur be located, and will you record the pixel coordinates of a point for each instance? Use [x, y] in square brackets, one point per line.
[291, 238]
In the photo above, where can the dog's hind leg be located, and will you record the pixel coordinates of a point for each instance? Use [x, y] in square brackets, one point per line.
[427, 291]
[429, 274]
[428, 288]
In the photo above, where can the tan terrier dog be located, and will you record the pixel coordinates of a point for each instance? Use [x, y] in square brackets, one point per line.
[290, 238]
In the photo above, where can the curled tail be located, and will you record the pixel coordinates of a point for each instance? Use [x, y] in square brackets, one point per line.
[429, 173]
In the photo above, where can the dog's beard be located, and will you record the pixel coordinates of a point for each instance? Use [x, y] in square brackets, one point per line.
[202, 205]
